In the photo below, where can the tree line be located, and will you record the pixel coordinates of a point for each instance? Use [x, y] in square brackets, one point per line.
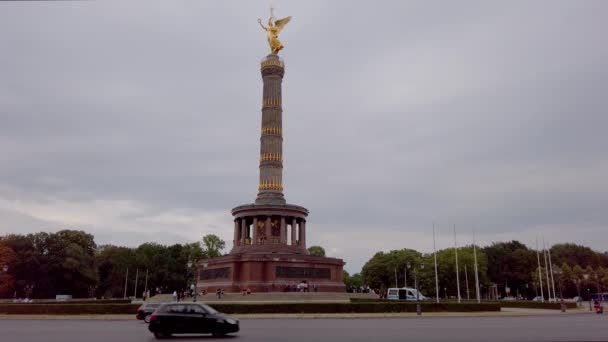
[505, 269]
[43, 265]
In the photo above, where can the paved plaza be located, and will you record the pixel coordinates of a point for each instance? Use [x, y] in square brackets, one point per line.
[568, 327]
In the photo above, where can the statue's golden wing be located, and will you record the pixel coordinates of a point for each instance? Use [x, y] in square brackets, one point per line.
[279, 24]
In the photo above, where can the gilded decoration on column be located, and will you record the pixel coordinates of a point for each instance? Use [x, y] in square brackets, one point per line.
[271, 157]
[271, 103]
[272, 63]
[272, 131]
[270, 185]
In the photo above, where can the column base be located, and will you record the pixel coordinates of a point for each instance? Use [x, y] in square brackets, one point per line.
[270, 198]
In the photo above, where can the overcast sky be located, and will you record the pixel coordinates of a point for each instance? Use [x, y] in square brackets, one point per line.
[140, 121]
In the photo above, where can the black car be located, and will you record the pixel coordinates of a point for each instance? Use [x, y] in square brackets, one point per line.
[190, 318]
[145, 311]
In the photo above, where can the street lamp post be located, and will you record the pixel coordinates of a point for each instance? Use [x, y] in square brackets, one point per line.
[189, 265]
[418, 306]
[586, 276]
[558, 272]
[407, 267]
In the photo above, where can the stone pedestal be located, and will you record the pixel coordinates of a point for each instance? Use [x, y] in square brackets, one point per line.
[270, 272]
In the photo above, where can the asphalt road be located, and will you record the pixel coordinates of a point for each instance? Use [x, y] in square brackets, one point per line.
[581, 327]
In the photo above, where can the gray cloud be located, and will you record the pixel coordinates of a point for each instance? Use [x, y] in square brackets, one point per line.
[139, 121]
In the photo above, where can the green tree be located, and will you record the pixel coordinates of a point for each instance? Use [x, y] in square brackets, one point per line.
[352, 281]
[55, 263]
[574, 254]
[380, 271]
[446, 269]
[7, 283]
[213, 245]
[316, 251]
[510, 264]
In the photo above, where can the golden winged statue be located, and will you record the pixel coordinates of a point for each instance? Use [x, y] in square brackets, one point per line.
[273, 30]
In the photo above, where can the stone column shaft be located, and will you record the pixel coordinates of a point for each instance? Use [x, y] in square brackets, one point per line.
[243, 229]
[293, 231]
[303, 233]
[271, 141]
[254, 233]
[268, 230]
[235, 242]
[283, 231]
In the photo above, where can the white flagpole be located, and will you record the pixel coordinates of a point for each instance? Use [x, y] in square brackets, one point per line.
[547, 271]
[146, 286]
[435, 255]
[135, 290]
[466, 280]
[551, 270]
[476, 273]
[126, 279]
[540, 274]
[456, 255]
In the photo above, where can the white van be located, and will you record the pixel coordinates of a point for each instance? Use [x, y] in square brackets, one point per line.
[404, 293]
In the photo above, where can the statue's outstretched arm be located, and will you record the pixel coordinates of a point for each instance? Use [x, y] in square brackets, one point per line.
[260, 22]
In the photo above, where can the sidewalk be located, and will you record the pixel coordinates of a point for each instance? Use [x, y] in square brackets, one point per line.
[506, 312]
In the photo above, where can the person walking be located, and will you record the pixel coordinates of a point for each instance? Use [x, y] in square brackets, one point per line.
[175, 296]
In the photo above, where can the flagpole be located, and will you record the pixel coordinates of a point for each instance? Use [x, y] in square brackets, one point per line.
[552, 280]
[466, 280]
[435, 255]
[551, 270]
[126, 279]
[146, 286]
[476, 271]
[540, 274]
[456, 255]
[547, 270]
[135, 290]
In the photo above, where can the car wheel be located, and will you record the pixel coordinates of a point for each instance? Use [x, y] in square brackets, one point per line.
[147, 318]
[161, 335]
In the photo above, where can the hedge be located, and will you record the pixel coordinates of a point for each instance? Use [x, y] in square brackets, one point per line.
[536, 305]
[367, 307]
[451, 301]
[84, 301]
[68, 309]
[262, 308]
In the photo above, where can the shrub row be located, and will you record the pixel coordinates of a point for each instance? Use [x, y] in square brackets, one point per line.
[236, 308]
[536, 305]
[68, 309]
[84, 301]
[378, 300]
[367, 307]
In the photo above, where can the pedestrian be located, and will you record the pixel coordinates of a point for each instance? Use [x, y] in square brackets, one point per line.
[175, 296]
